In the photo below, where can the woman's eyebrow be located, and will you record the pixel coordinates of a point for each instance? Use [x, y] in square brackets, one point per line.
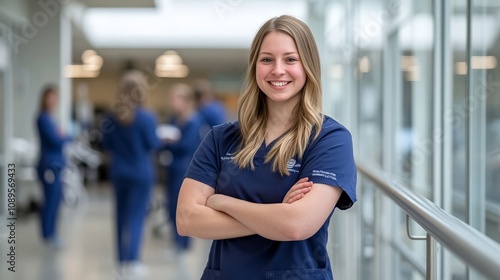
[287, 53]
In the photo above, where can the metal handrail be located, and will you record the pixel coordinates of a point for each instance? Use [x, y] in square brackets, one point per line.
[473, 247]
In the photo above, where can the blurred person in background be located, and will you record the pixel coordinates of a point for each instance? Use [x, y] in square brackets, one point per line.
[182, 105]
[130, 138]
[50, 165]
[211, 111]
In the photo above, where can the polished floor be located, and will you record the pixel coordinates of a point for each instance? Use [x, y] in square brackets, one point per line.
[88, 251]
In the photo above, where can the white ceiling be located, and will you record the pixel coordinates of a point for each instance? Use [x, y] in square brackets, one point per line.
[212, 37]
[118, 4]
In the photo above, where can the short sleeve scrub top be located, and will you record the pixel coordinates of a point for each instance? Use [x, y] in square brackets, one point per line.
[327, 160]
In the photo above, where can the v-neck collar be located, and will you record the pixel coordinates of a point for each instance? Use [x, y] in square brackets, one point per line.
[270, 145]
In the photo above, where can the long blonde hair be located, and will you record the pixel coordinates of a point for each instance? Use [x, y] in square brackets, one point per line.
[252, 104]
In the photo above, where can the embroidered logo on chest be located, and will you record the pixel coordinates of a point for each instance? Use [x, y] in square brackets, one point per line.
[293, 166]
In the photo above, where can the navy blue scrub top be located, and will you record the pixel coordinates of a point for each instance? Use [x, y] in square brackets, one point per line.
[328, 160]
[51, 143]
[131, 147]
[184, 149]
[213, 114]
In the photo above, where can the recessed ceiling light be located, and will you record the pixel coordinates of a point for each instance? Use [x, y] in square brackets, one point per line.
[169, 65]
[92, 64]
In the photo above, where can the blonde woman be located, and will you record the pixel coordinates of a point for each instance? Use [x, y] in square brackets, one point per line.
[130, 139]
[264, 188]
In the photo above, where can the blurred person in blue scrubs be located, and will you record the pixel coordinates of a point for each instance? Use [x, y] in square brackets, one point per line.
[182, 105]
[129, 135]
[264, 188]
[211, 111]
[51, 164]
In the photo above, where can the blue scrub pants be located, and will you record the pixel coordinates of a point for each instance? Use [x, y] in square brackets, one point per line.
[53, 193]
[172, 190]
[131, 209]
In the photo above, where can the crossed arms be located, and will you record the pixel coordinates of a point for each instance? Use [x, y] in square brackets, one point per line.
[203, 214]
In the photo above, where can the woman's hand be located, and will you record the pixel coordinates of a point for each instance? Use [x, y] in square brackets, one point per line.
[298, 190]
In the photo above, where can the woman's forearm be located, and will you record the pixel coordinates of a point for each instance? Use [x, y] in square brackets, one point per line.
[203, 222]
[273, 221]
[199, 214]
[206, 223]
[282, 221]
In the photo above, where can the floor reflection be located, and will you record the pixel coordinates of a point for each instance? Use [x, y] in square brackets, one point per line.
[88, 248]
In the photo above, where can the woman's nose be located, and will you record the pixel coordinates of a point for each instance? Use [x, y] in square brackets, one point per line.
[278, 69]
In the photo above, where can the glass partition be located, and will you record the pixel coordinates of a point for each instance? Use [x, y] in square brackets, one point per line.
[455, 117]
[414, 146]
[484, 119]
[368, 78]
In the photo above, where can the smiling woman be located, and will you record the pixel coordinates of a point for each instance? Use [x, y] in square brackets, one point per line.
[280, 73]
[282, 156]
[281, 52]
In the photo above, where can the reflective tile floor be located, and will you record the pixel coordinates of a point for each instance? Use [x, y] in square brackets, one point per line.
[88, 251]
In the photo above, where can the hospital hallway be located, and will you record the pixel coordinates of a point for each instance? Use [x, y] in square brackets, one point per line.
[88, 250]
[101, 91]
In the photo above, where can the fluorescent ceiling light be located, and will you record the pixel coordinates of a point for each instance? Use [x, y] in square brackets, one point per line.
[407, 61]
[364, 64]
[476, 63]
[180, 71]
[169, 65]
[92, 63]
[412, 74]
[483, 62]
[461, 68]
[411, 71]
[79, 71]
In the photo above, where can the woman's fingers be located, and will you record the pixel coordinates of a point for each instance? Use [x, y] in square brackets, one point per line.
[298, 191]
[298, 185]
[295, 198]
[297, 195]
[302, 180]
[303, 190]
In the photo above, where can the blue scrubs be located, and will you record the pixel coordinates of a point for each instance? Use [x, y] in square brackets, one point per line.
[211, 114]
[50, 166]
[132, 174]
[327, 160]
[182, 152]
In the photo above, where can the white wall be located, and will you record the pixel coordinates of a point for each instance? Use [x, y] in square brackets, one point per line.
[12, 10]
[37, 61]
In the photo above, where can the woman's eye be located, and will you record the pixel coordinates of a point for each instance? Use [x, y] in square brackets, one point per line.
[266, 59]
[291, 59]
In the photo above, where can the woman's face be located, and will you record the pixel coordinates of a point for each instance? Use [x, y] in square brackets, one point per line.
[51, 101]
[279, 70]
[177, 102]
